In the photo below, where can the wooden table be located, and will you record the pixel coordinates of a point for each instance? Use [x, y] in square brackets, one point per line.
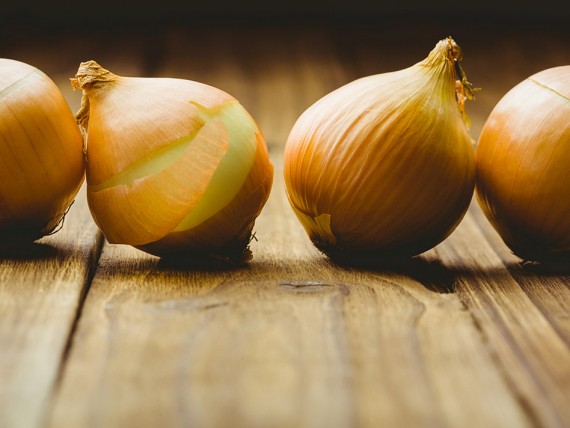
[100, 335]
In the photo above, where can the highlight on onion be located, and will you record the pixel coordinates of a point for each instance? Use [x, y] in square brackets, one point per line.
[523, 167]
[175, 167]
[383, 167]
[41, 154]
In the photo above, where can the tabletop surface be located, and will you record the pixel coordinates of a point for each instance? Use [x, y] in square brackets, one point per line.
[101, 335]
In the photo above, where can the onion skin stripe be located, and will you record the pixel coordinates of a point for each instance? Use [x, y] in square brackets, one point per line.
[19, 83]
[549, 89]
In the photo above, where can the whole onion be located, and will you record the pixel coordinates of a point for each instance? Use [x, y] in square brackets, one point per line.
[384, 166]
[175, 167]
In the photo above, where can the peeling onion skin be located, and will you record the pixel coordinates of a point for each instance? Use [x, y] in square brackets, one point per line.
[175, 168]
[42, 165]
[523, 167]
[383, 167]
[253, 194]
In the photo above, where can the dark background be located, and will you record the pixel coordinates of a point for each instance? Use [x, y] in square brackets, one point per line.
[64, 15]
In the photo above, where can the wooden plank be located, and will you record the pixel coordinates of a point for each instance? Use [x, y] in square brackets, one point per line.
[547, 286]
[41, 290]
[527, 345]
[291, 340]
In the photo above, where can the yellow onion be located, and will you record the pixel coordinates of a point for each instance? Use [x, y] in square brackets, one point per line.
[384, 165]
[174, 167]
[41, 154]
[523, 166]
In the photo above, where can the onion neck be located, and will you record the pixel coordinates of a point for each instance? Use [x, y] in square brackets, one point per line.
[445, 50]
[90, 76]
[444, 60]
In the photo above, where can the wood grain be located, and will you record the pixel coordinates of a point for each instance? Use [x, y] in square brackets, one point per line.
[526, 345]
[41, 291]
[462, 335]
[42, 287]
[291, 340]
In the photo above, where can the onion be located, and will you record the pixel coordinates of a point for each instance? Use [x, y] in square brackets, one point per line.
[175, 168]
[41, 154]
[523, 166]
[384, 166]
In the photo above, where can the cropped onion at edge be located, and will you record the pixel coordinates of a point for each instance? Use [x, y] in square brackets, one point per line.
[523, 167]
[41, 154]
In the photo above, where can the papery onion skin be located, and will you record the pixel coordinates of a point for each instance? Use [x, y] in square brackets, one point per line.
[175, 168]
[250, 199]
[383, 167]
[523, 167]
[42, 165]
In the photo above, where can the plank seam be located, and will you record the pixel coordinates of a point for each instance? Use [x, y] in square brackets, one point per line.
[91, 270]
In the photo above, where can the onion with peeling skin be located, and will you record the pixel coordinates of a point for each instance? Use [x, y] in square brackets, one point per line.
[523, 167]
[174, 167]
[383, 167]
[41, 154]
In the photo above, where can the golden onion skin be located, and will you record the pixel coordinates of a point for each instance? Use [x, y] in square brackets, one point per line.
[175, 168]
[42, 165]
[523, 166]
[384, 165]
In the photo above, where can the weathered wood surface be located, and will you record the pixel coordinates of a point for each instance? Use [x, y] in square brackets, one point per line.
[41, 294]
[99, 335]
